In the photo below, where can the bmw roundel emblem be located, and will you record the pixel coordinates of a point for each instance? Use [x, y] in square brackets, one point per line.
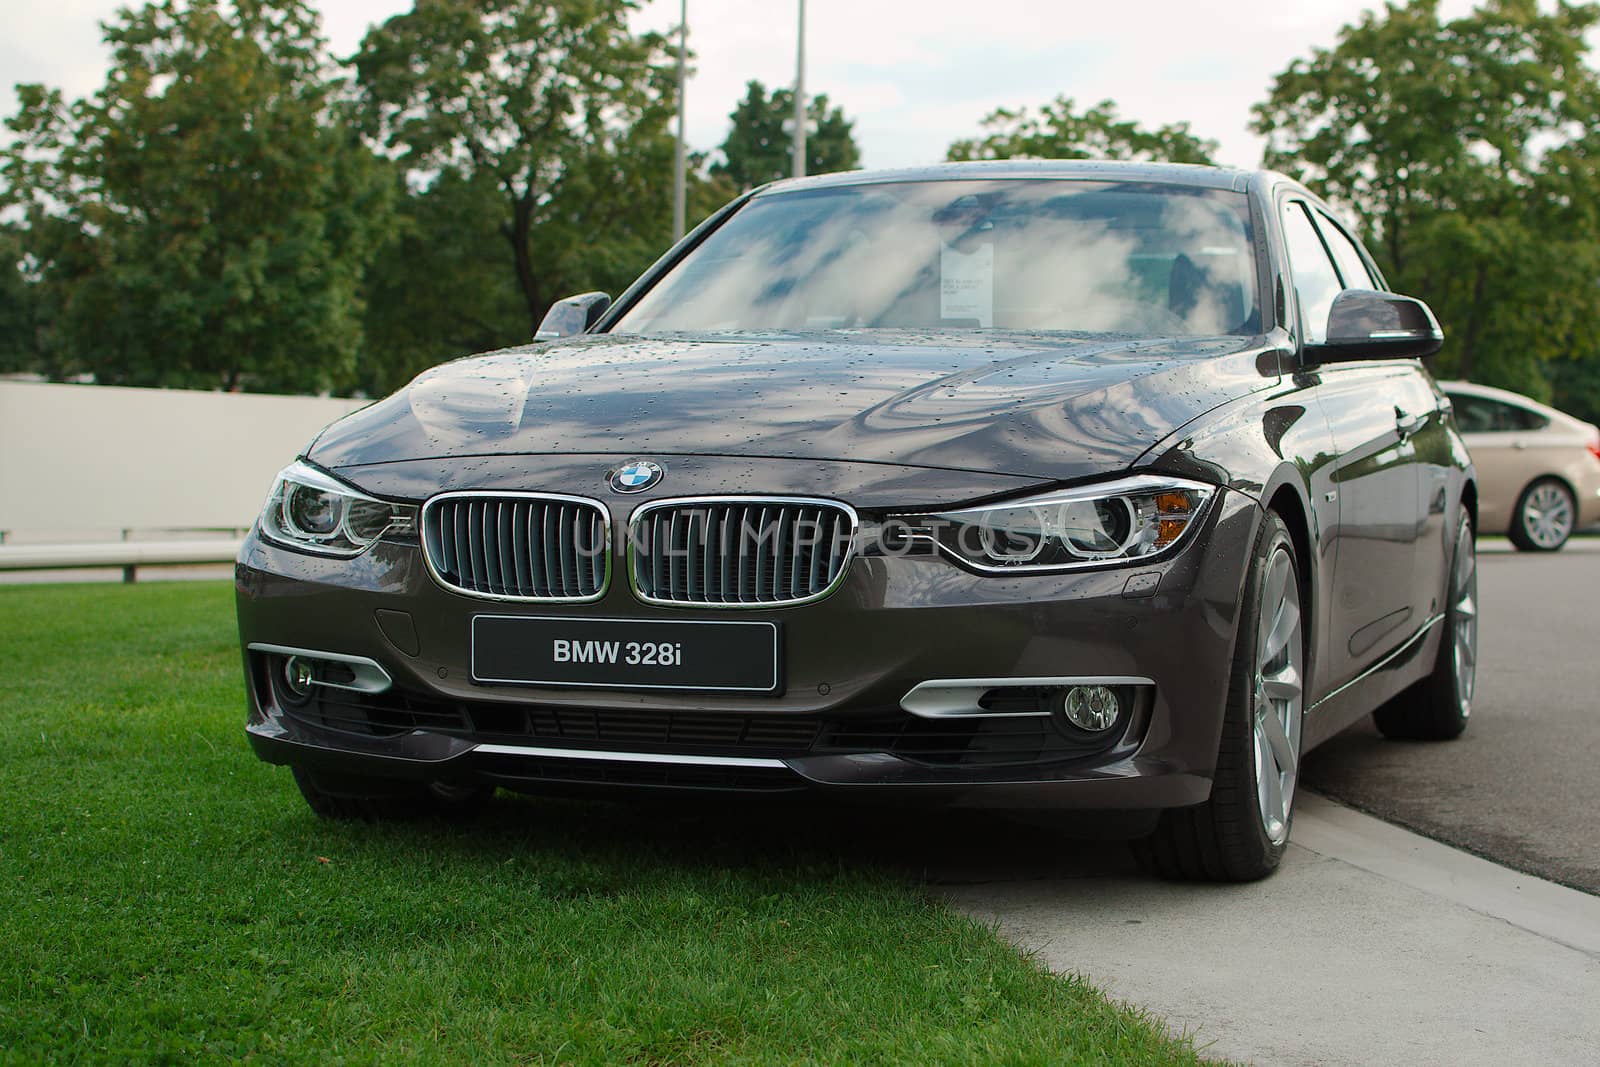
[636, 475]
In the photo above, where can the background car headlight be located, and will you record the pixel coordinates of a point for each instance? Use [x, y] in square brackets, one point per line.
[1097, 525]
[314, 512]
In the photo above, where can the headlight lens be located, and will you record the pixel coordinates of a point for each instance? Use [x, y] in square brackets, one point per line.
[1131, 519]
[313, 512]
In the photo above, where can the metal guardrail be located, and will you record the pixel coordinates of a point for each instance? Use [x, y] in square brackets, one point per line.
[129, 555]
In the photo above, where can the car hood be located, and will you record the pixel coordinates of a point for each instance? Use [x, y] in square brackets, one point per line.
[1005, 404]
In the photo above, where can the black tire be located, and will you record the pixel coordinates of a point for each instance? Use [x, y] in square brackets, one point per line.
[1523, 534]
[342, 796]
[1224, 839]
[1438, 707]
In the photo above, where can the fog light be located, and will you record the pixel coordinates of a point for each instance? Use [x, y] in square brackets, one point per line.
[1092, 708]
[298, 676]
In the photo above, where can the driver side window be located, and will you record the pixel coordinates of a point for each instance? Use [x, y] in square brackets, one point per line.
[1315, 280]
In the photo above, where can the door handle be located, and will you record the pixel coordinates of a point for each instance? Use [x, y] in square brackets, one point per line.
[1519, 445]
[1407, 423]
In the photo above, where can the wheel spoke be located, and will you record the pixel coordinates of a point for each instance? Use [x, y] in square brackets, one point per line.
[1276, 585]
[1281, 685]
[1283, 754]
[1467, 607]
[1264, 772]
[1285, 627]
[1273, 806]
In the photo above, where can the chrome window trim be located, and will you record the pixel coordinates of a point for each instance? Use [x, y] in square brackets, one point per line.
[957, 698]
[458, 494]
[370, 677]
[632, 757]
[800, 501]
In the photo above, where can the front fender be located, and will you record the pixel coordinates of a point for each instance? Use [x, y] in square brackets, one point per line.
[1275, 447]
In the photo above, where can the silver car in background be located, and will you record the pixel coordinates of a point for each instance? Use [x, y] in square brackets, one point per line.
[1538, 468]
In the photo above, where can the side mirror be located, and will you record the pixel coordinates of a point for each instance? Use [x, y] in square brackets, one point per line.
[1367, 324]
[572, 316]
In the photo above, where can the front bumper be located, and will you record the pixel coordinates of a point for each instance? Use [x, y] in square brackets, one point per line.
[838, 726]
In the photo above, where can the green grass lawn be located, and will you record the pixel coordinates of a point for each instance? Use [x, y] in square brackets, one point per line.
[165, 896]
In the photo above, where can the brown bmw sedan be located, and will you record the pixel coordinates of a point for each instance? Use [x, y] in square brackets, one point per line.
[1104, 487]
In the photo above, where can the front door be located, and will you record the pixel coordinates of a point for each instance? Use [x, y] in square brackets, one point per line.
[1377, 480]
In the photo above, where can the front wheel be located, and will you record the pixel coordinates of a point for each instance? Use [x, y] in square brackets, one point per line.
[1544, 518]
[1240, 833]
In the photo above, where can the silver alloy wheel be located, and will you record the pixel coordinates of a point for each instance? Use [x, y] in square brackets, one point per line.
[1547, 515]
[1279, 694]
[1464, 600]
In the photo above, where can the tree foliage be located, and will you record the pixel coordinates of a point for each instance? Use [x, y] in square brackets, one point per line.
[1470, 148]
[1059, 131]
[19, 306]
[760, 146]
[205, 218]
[534, 136]
[227, 211]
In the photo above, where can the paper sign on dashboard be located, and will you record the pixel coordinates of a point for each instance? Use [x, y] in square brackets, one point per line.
[966, 284]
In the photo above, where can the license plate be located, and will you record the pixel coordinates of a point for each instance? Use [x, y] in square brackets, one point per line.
[625, 653]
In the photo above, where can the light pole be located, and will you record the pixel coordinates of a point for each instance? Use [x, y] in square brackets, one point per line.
[680, 178]
[800, 99]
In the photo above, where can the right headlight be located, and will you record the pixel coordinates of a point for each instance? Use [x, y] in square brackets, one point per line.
[1128, 520]
[314, 512]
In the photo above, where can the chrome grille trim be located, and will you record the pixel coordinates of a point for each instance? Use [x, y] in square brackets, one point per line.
[631, 757]
[696, 551]
[537, 548]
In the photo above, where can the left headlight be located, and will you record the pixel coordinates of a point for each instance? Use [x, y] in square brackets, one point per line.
[1124, 521]
[314, 512]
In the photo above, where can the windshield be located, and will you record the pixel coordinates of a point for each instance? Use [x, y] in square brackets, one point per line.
[1068, 256]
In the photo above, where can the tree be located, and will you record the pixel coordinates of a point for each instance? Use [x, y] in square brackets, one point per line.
[548, 117]
[1469, 147]
[19, 307]
[1060, 132]
[204, 220]
[760, 146]
[433, 294]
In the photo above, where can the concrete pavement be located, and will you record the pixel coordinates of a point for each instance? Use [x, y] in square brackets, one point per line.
[1521, 785]
[1371, 945]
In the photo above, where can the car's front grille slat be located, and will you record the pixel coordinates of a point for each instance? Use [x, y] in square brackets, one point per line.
[458, 523]
[794, 557]
[517, 546]
[503, 514]
[739, 551]
[599, 551]
[520, 559]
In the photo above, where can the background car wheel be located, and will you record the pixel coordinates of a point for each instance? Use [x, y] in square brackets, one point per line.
[1239, 834]
[341, 796]
[1544, 516]
[1437, 708]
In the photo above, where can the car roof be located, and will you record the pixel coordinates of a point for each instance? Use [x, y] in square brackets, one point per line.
[1489, 392]
[1191, 174]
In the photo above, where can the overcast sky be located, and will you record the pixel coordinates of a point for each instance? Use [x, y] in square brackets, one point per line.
[913, 74]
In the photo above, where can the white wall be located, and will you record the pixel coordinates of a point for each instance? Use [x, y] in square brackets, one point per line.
[92, 457]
